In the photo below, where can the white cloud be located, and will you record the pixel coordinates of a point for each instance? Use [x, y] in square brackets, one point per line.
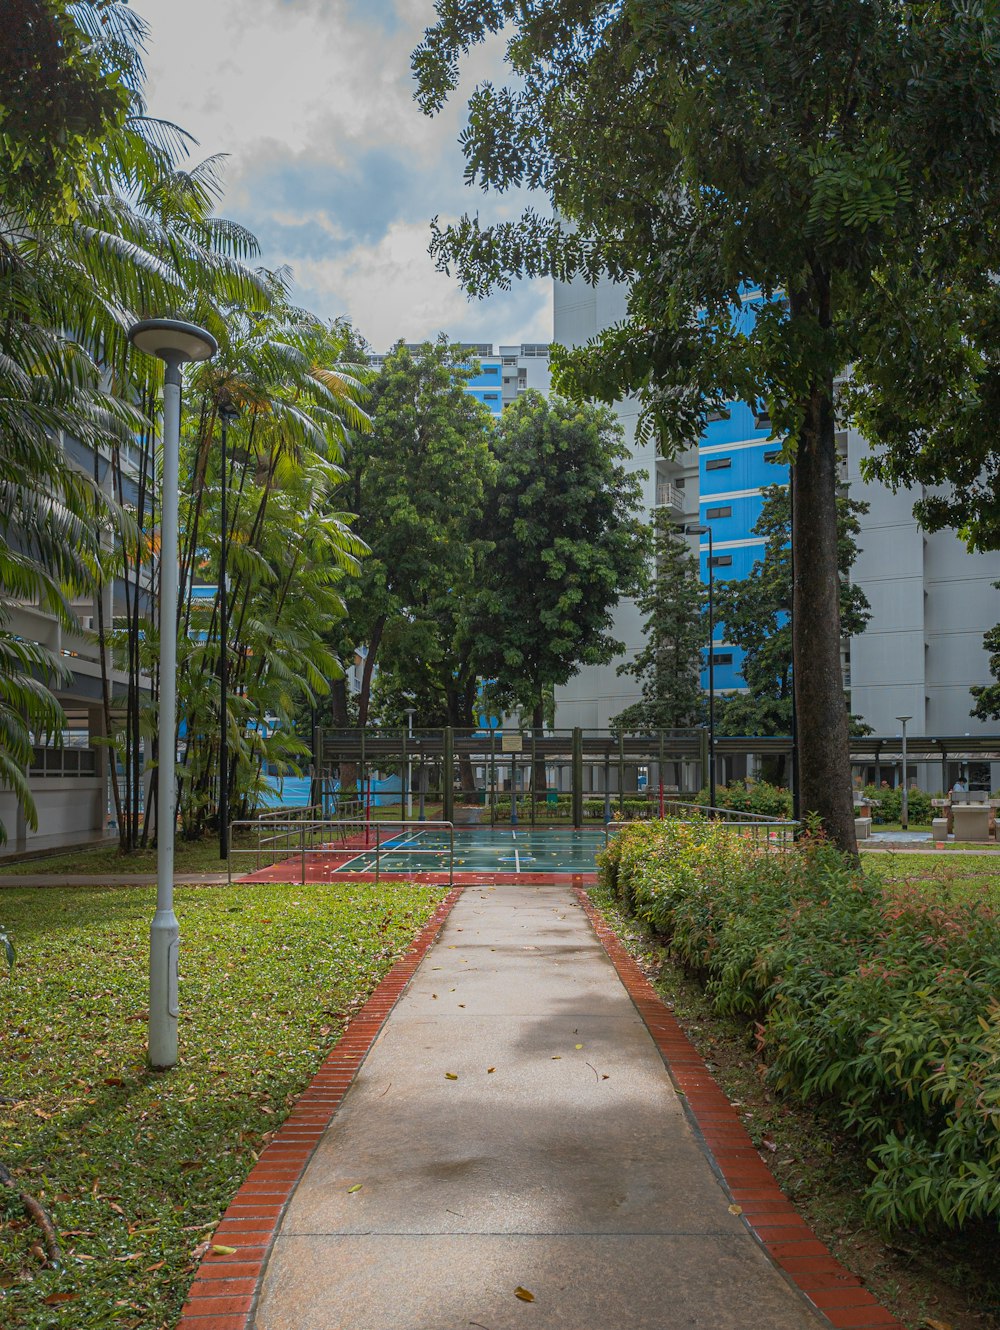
[305, 94]
[391, 290]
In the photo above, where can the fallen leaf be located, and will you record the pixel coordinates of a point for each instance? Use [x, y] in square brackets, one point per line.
[736, 1209]
[578, 1045]
[937, 1325]
[150, 1268]
[490, 1071]
[557, 1058]
[54, 1299]
[219, 1250]
[523, 1294]
[357, 1187]
[768, 1144]
[450, 1076]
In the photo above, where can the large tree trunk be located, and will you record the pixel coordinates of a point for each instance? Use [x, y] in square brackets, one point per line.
[364, 697]
[823, 766]
[340, 719]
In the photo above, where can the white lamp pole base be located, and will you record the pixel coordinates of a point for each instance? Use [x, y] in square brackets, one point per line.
[164, 945]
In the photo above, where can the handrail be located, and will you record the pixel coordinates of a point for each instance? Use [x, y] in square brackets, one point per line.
[725, 814]
[292, 837]
[288, 812]
[787, 827]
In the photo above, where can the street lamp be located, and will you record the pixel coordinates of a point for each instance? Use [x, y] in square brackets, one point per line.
[173, 342]
[410, 712]
[226, 414]
[904, 809]
[692, 530]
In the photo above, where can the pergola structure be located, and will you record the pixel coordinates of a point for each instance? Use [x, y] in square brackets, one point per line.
[538, 772]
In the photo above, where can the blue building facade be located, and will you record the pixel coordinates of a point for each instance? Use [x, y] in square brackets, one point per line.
[487, 385]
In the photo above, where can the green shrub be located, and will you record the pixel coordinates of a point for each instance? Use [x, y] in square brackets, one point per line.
[882, 1008]
[887, 805]
[751, 796]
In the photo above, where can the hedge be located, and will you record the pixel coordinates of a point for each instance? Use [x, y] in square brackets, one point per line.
[887, 805]
[881, 1008]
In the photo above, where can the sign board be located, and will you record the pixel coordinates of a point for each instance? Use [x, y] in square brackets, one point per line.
[511, 743]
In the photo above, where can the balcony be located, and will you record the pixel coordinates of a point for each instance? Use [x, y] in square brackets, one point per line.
[669, 496]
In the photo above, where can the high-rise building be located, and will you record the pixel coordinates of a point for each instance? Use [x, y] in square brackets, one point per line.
[503, 374]
[931, 599]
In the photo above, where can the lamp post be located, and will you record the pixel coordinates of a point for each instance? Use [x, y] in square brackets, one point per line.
[904, 810]
[226, 414]
[691, 530]
[410, 711]
[173, 342]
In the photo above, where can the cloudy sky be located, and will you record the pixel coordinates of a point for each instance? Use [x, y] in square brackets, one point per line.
[331, 164]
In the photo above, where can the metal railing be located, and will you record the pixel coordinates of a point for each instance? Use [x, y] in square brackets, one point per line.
[757, 826]
[291, 813]
[274, 841]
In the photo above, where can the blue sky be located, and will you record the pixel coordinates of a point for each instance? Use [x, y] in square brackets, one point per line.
[330, 163]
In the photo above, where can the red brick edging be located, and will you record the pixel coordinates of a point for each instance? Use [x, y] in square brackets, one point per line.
[766, 1211]
[224, 1292]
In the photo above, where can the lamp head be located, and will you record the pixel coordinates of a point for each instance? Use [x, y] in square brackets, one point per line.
[172, 339]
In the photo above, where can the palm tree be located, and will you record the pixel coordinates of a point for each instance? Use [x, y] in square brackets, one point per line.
[102, 229]
[289, 548]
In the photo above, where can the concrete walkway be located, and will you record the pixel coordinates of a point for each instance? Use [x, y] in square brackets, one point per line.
[514, 1128]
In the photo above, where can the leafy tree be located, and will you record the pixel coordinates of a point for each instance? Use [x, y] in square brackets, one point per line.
[417, 483]
[987, 696]
[97, 225]
[835, 161]
[59, 94]
[567, 545]
[669, 665]
[754, 610]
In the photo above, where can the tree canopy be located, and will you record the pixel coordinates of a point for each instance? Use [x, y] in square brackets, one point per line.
[418, 485]
[834, 161]
[567, 544]
[668, 666]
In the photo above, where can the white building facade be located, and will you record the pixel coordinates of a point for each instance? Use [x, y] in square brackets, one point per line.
[931, 599]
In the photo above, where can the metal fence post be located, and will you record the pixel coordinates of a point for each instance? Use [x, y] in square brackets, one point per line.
[448, 776]
[577, 777]
[703, 757]
[302, 837]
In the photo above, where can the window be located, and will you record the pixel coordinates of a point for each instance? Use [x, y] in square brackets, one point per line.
[491, 397]
[718, 464]
[721, 561]
[774, 455]
[722, 658]
[711, 513]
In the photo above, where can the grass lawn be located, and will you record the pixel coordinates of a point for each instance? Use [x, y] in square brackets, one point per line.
[136, 1167]
[189, 857]
[942, 876]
